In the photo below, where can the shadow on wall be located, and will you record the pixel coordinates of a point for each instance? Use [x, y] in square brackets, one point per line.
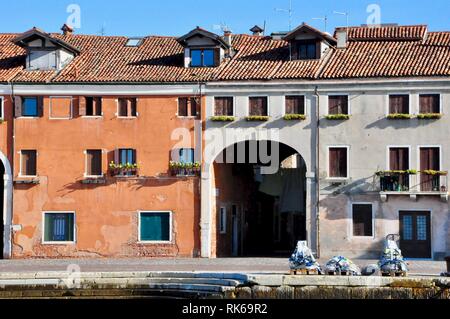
[384, 123]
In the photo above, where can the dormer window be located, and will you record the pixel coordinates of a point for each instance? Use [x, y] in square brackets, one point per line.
[45, 52]
[202, 57]
[307, 50]
[203, 48]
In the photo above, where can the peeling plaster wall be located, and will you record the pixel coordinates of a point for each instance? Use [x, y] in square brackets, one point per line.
[106, 215]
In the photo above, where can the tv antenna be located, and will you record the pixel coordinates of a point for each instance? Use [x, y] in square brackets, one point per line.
[342, 14]
[222, 26]
[289, 12]
[325, 21]
[102, 30]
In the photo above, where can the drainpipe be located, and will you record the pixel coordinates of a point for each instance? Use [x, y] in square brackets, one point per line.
[316, 93]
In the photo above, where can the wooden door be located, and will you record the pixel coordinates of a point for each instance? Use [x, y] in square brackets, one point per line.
[415, 234]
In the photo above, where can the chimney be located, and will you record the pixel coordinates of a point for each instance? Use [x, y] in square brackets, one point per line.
[341, 35]
[227, 37]
[257, 30]
[66, 29]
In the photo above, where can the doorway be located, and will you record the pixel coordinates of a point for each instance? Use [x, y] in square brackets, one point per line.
[415, 234]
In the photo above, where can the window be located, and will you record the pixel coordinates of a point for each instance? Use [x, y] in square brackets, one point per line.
[42, 60]
[187, 107]
[307, 50]
[223, 220]
[223, 106]
[202, 57]
[28, 163]
[399, 159]
[429, 103]
[94, 106]
[127, 107]
[94, 163]
[258, 106]
[430, 161]
[338, 167]
[338, 104]
[186, 155]
[30, 107]
[362, 216]
[60, 107]
[295, 104]
[127, 156]
[59, 227]
[399, 104]
[155, 227]
[134, 42]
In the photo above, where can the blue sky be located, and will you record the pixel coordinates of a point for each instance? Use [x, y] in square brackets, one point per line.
[176, 17]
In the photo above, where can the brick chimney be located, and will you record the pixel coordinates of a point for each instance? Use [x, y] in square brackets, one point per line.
[67, 29]
[341, 35]
[227, 35]
[257, 30]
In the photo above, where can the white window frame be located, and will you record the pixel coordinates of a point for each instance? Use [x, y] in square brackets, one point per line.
[60, 118]
[223, 227]
[441, 100]
[75, 229]
[86, 175]
[20, 164]
[223, 96]
[349, 106]
[283, 113]
[101, 101]
[258, 95]
[388, 160]
[350, 226]
[156, 242]
[410, 110]
[117, 108]
[2, 108]
[419, 147]
[178, 107]
[347, 147]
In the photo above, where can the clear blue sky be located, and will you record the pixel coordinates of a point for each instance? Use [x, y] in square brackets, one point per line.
[176, 17]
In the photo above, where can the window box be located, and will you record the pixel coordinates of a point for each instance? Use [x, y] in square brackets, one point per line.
[399, 116]
[123, 170]
[395, 181]
[294, 117]
[185, 169]
[27, 181]
[337, 117]
[223, 118]
[429, 116]
[434, 173]
[257, 118]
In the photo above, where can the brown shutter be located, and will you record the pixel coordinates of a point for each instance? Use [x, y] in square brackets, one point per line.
[98, 106]
[116, 156]
[290, 105]
[17, 106]
[28, 163]
[258, 106]
[40, 106]
[182, 106]
[333, 105]
[94, 162]
[217, 57]
[89, 160]
[134, 157]
[193, 109]
[342, 162]
[333, 163]
[219, 106]
[82, 105]
[228, 106]
[429, 103]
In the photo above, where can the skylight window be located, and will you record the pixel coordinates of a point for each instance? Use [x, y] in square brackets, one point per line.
[134, 42]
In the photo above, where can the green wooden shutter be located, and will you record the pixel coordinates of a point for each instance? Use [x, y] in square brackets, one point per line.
[155, 227]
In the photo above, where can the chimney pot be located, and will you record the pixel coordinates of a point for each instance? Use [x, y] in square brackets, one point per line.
[257, 30]
[67, 29]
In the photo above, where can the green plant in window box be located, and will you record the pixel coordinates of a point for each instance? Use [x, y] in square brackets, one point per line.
[434, 173]
[223, 118]
[429, 116]
[337, 117]
[294, 117]
[396, 172]
[399, 116]
[257, 118]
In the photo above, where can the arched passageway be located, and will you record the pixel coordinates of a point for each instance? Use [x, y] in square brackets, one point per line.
[258, 211]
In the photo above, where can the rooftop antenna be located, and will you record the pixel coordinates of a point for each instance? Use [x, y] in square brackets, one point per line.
[343, 14]
[325, 20]
[102, 30]
[222, 26]
[289, 11]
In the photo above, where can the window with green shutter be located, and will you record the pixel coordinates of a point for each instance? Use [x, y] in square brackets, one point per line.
[155, 226]
[59, 227]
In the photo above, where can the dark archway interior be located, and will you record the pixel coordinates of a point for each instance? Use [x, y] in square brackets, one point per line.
[2, 173]
[266, 214]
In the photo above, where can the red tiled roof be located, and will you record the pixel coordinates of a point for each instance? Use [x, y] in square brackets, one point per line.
[371, 52]
[386, 33]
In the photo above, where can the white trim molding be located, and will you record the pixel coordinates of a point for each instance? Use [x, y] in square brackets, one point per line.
[347, 147]
[44, 242]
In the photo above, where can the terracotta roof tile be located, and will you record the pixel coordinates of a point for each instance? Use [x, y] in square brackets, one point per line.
[393, 33]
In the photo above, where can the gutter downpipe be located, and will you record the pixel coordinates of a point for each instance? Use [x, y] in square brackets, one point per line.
[316, 93]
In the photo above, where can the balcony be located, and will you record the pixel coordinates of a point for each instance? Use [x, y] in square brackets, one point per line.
[412, 183]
